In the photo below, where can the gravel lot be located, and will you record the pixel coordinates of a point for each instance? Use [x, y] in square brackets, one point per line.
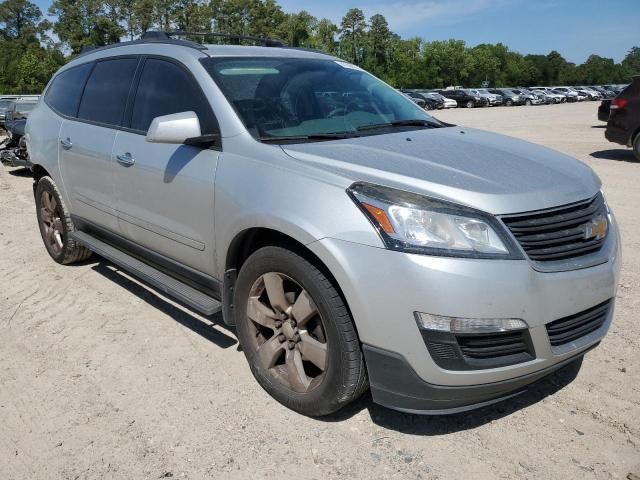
[102, 378]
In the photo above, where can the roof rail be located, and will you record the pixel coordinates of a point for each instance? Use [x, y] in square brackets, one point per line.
[151, 39]
[157, 35]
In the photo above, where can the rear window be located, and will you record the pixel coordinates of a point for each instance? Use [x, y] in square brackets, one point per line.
[105, 96]
[64, 93]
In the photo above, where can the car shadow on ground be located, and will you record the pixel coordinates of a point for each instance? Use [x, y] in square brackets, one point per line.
[599, 126]
[617, 154]
[435, 425]
[21, 172]
[180, 315]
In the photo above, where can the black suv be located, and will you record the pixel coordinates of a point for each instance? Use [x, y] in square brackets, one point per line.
[464, 98]
[623, 126]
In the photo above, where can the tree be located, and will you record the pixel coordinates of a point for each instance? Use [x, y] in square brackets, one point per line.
[35, 68]
[324, 36]
[631, 63]
[448, 61]
[298, 28]
[21, 20]
[379, 39]
[83, 23]
[352, 29]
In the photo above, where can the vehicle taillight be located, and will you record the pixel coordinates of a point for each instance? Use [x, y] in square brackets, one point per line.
[618, 103]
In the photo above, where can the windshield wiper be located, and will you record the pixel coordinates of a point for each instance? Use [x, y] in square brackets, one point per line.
[400, 123]
[313, 136]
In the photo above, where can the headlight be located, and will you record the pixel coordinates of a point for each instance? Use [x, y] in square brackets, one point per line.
[416, 224]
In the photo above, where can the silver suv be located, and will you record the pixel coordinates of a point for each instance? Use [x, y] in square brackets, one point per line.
[353, 240]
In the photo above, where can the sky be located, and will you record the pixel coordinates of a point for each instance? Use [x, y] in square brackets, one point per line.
[574, 28]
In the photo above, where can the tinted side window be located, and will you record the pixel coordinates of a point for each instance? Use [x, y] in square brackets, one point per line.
[64, 93]
[165, 88]
[105, 96]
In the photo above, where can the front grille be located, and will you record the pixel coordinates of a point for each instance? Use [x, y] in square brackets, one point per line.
[573, 327]
[559, 234]
[492, 346]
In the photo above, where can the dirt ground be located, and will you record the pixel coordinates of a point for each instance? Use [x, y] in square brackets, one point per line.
[101, 377]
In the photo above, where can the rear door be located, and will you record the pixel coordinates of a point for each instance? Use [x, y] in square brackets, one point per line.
[86, 141]
[165, 192]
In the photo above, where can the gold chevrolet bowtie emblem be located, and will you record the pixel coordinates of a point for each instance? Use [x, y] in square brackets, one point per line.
[597, 228]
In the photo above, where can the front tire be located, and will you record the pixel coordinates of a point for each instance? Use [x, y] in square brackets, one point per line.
[56, 225]
[297, 333]
[470, 104]
[527, 102]
[636, 147]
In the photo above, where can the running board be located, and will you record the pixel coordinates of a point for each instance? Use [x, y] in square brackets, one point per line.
[175, 288]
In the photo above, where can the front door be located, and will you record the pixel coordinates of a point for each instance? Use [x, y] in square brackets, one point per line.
[165, 192]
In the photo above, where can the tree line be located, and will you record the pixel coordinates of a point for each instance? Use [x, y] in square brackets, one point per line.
[32, 47]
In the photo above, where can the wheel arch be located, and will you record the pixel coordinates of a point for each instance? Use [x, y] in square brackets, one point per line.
[248, 241]
[38, 172]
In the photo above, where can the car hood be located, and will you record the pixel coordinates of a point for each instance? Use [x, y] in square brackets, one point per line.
[487, 171]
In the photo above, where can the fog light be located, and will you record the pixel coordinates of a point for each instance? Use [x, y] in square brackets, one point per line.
[468, 325]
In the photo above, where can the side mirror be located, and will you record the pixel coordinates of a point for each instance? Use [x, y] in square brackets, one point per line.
[174, 129]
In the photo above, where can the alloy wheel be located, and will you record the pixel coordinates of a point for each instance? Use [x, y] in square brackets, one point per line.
[50, 215]
[288, 335]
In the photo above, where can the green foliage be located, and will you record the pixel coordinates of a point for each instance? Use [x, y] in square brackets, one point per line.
[28, 56]
[25, 64]
[352, 35]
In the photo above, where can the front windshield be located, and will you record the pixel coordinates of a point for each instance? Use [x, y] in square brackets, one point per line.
[483, 91]
[293, 97]
[4, 104]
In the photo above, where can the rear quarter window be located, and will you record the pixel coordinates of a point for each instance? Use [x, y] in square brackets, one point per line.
[105, 96]
[64, 92]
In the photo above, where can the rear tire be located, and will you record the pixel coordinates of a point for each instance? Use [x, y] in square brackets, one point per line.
[470, 104]
[300, 342]
[56, 225]
[509, 103]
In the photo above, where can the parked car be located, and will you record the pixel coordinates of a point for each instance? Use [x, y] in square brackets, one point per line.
[616, 89]
[509, 97]
[604, 92]
[570, 94]
[428, 103]
[492, 98]
[464, 98]
[4, 106]
[548, 97]
[623, 125]
[604, 109]
[361, 245]
[417, 99]
[19, 109]
[529, 98]
[588, 93]
[439, 100]
[13, 149]
[446, 102]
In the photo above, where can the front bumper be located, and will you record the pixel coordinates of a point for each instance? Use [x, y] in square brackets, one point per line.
[384, 288]
[394, 384]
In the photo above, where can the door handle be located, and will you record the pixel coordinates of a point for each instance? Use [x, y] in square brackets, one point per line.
[125, 159]
[66, 144]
